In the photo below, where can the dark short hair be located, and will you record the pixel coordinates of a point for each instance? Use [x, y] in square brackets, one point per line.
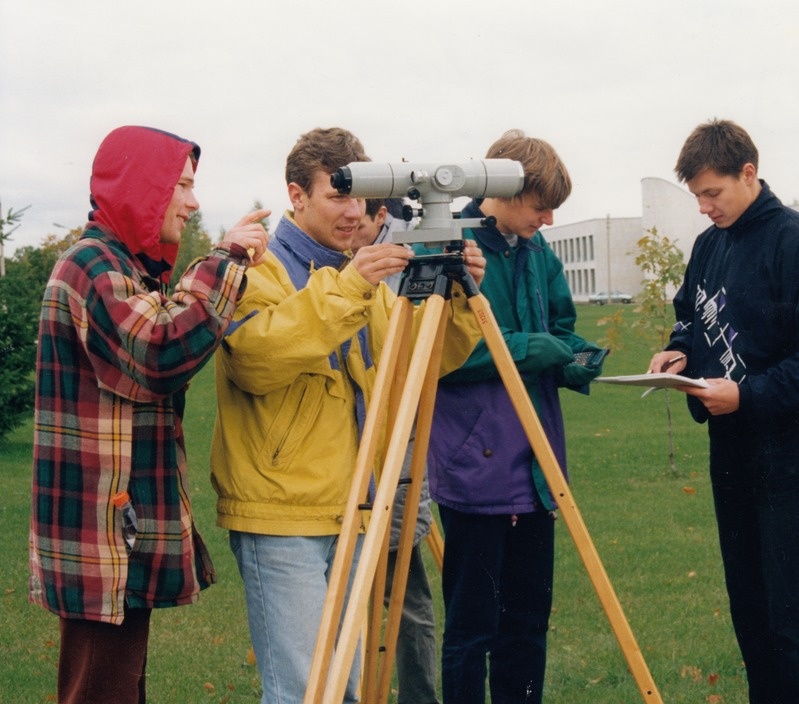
[394, 207]
[720, 145]
[373, 206]
[545, 175]
[327, 149]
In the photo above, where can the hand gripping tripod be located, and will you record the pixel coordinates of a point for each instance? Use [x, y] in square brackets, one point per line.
[401, 391]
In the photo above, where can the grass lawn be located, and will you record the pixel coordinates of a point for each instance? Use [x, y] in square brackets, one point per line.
[653, 527]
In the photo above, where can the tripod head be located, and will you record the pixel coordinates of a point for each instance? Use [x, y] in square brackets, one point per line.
[434, 274]
[434, 186]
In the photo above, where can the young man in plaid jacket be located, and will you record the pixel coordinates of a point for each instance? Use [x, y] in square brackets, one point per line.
[115, 354]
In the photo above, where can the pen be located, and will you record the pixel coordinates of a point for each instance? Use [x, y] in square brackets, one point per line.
[673, 360]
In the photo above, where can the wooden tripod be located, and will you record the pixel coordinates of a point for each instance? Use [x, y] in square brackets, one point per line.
[418, 381]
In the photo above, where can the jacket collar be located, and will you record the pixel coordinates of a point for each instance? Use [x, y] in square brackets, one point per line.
[765, 203]
[299, 253]
[490, 237]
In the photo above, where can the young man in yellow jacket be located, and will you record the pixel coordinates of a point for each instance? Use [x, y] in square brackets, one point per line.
[294, 377]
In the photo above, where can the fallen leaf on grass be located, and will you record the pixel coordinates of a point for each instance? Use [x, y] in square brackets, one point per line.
[715, 699]
[208, 687]
[712, 678]
[689, 490]
[691, 672]
[251, 657]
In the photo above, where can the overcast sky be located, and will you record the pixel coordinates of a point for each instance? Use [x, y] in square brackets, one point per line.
[616, 86]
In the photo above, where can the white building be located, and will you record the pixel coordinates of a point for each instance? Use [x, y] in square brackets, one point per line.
[599, 255]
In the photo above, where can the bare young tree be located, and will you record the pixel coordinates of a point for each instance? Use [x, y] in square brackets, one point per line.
[663, 265]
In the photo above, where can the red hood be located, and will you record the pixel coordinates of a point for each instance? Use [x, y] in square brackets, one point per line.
[133, 179]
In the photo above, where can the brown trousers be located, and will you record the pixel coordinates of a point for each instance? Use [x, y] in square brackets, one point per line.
[100, 663]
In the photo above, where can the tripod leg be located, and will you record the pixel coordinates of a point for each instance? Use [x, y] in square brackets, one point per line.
[424, 351]
[560, 490]
[436, 544]
[374, 627]
[345, 549]
[411, 512]
[373, 661]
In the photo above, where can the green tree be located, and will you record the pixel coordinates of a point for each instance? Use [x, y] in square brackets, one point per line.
[21, 291]
[614, 328]
[8, 224]
[258, 205]
[17, 354]
[663, 265]
[194, 242]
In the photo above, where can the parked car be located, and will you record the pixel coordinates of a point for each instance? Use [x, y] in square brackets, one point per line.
[604, 297]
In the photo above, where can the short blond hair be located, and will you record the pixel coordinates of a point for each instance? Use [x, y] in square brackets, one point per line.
[545, 175]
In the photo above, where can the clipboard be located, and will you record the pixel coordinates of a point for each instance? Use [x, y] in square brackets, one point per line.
[653, 382]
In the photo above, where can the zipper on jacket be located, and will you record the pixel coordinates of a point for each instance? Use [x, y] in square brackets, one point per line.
[292, 422]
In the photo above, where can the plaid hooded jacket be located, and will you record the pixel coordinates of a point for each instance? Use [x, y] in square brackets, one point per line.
[114, 358]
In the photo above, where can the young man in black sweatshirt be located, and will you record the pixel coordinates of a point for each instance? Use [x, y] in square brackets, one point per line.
[738, 326]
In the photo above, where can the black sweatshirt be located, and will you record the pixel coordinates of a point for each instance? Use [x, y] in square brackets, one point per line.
[738, 311]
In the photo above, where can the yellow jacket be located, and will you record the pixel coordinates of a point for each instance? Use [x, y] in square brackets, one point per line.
[286, 435]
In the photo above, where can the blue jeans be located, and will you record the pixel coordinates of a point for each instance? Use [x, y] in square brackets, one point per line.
[497, 584]
[285, 583]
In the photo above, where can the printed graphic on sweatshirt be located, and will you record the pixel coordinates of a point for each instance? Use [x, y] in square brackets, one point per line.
[718, 334]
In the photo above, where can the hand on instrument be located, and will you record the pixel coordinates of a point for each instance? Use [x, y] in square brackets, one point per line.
[475, 261]
[375, 262]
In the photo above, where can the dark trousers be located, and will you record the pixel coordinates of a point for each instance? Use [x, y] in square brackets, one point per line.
[417, 653]
[497, 584]
[756, 494]
[100, 663]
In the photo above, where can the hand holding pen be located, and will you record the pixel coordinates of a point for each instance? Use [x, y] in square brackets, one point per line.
[671, 362]
[668, 361]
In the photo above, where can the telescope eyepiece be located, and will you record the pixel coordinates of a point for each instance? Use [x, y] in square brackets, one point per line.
[341, 180]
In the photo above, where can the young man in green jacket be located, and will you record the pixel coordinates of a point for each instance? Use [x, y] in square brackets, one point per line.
[495, 507]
